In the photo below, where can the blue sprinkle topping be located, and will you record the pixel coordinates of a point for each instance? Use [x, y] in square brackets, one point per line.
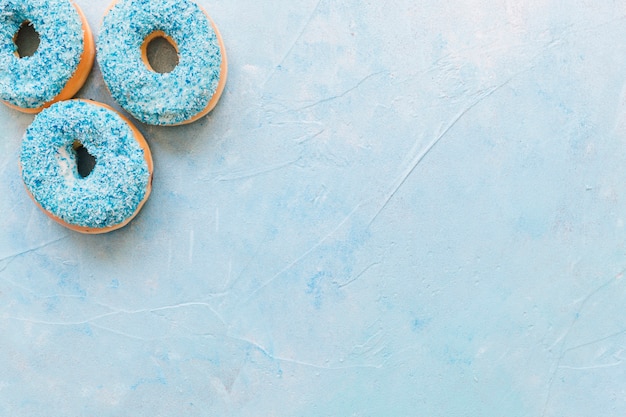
[151, 97]
[32, 81]
[112, 192]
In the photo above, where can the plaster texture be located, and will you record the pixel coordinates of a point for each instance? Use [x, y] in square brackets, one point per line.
[397, 208]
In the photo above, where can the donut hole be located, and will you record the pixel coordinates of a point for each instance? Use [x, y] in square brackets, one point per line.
[159, 52]
[85, 162]
[26, 40]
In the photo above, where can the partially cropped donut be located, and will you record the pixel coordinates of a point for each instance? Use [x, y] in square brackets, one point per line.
[60, 65]
[181, 96]
[107, 197]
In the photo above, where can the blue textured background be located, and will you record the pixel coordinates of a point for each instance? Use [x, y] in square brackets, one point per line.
[397, 209]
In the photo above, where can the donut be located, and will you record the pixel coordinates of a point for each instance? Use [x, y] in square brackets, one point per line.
[99, 201]
[181, 96]
[60, 65]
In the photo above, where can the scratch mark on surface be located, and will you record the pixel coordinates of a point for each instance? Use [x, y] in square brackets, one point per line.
[350, 281]
[255, 172]
[252, 258]
[325, 367]
[335, 97]
[591, 367]
[181, 305]
[7, 262]
[24, 252]
[303, 256]
[307, 138]
[128, 335]
[563, 350]
[288, 53]
[417, 159]
[61, 323]
[593, 342]
[117, 312]
[373, 346]
[299, 362]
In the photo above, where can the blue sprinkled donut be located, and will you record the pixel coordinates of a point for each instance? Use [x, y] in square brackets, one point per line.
[60, 65]
[117, 186]
[181, 96]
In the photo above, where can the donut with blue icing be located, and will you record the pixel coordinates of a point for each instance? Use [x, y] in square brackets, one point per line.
[62, 61]
[106, 196]
[181, 96]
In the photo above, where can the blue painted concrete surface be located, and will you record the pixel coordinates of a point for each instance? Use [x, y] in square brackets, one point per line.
[397, 209]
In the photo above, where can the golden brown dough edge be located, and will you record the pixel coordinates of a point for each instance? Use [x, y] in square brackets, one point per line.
[148, 157]
[79, 77]
[223, 66]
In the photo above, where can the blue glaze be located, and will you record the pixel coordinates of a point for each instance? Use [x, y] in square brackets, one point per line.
[155, 98]
[30, 82]
[112, 192]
